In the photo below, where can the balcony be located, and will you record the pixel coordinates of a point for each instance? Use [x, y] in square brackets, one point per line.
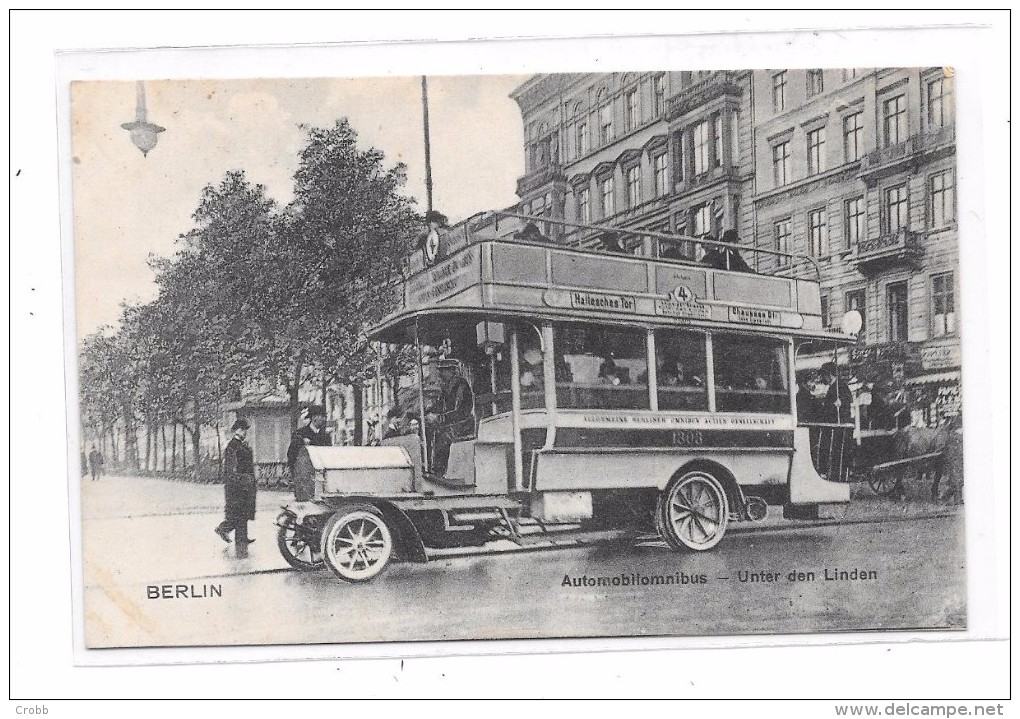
[712, 176]
[718, 84]
[553, 172]
[897, 249]
[922, 147]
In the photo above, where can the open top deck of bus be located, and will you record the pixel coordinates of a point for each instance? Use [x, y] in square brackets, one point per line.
[504, 277]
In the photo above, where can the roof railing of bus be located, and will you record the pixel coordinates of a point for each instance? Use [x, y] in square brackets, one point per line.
[672, 239]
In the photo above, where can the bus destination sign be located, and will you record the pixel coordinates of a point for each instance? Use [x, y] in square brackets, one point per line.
[749, 316]
[598, 301]
[682, 302]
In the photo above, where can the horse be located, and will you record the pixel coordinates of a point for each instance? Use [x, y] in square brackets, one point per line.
[919, 441]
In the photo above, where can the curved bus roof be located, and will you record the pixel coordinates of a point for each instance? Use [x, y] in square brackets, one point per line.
[498, 278]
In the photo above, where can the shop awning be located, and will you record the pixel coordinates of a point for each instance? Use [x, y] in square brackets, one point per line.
[935, 378]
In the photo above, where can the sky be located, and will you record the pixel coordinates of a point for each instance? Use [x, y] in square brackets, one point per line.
[127, 206]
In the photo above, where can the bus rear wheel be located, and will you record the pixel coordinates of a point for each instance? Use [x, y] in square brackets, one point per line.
[693, 512]
[356, 543]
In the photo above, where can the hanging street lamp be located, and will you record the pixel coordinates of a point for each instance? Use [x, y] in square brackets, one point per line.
[143, 133]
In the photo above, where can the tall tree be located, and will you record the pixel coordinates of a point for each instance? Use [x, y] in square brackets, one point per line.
[348, 224]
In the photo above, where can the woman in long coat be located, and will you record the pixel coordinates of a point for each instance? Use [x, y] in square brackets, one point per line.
[238, 486]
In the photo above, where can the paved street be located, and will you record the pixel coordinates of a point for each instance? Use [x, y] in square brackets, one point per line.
[139, 533]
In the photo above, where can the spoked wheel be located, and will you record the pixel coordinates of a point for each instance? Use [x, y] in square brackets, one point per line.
[693, 512]
[356, 543]
[884, 483]
[299, 545]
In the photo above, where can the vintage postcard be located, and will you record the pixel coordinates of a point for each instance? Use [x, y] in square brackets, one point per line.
[656, 353]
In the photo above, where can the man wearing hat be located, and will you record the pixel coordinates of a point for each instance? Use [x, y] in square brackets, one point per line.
[239, 487]
[452, 417]
[725, 258]
[314, 433]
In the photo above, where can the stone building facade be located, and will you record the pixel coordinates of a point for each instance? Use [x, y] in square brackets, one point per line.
[853, 167]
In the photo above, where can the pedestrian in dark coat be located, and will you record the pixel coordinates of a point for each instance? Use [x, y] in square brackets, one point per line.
[96, 461]
[314, 434]
[238, 487]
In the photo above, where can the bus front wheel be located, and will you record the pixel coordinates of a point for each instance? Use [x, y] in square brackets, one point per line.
[356, 543]
[693, 512]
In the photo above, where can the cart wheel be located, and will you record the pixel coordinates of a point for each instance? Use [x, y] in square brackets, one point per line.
[356, 543]
[883, 483]
[693, 512]
[300, 546]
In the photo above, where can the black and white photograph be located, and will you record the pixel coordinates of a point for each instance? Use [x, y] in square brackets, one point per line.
[509, 354]
[674, 353]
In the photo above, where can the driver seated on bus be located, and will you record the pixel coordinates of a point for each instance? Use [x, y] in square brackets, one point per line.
[452, 416]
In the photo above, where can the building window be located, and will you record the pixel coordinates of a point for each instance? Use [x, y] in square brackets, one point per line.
[849, 73]
[717, 153]
[608, 201]
[680, 148]
[940, 108]
[583, 139]
[661, 174]
[781, 163]
[943, 305]
[824, 299]
[854, 221]
[815, 82]
[816, 151]
[630, 115]
[584, 205]
[782, 236]
[702, 148]
[702, 221]
[853, 136]
[605, 119]
[896, 209]
[894, 120]
[855, 300]
[896, 301]
[817, 232]
[779, 91]
[942, 192]
[659, 94]
[633, 186]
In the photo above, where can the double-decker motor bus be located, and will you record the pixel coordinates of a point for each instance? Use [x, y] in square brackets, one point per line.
[606, 389]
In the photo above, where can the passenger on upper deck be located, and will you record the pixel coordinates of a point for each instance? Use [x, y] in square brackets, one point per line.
[613, 242]
[531, 233]
[725, 258]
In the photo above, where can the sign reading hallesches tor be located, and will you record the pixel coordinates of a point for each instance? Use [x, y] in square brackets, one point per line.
[369, 370]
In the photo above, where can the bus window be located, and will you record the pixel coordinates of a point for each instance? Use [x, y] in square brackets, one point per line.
[529, 344]
[491, 382]
[680, 370]
[751, 374]
[600, 367]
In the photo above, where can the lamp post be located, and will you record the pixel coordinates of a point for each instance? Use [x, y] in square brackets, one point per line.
[144, 134]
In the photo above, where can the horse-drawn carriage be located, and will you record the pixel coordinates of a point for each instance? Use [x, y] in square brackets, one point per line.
[885, 459]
